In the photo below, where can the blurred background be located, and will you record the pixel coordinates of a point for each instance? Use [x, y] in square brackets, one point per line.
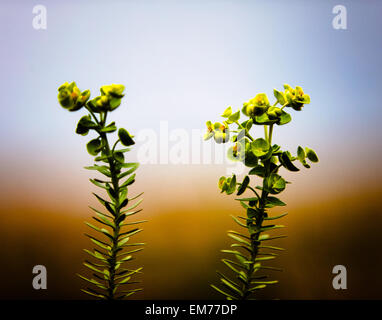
[184, 62]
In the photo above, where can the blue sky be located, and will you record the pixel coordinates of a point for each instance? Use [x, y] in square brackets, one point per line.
[185, 62]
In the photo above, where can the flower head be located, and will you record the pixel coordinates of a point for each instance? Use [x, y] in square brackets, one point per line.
[296, 98]
[71, 98]
[109, 99]
[220, 132]
[113, 90]
[256, 106]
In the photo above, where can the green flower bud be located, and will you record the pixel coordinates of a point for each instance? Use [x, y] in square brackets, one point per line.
[227, 185]
[111, 96]
[210, 131]
[114, 90]
[65, 99]
[221, 182]
[256, 106]
[296, 98]
[221, 133]
[71, 98]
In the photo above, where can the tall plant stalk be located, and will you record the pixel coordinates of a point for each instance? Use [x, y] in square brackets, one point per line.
[264, 160]
[109, 277]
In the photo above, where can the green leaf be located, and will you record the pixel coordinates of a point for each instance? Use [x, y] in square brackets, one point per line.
[279, 96]
[257, 288]
[94, 146]
[232, 185]
[208, 135]
[104, 231]
[94, 294]
[284, 118]
[264, 258]
[237, 238]
[230, 286]
[223, 292]
[239, 234]
[92, 267]
[264, 119]
[243, 186]
[227, 112]
[300, 154]
[248, 199]
[102, 201]
[97, 183]
[271, 248]
[260, 147]
[274, 183]
[104, 221]
[119, 157]
[128, 181]
[99, 243]
[102, 169]
[230, 265]
[125, 137]
[238, 222]
[276, 217]
[311, 155]
[275, 201]
[259, 170]
[130, 232]
[95, 282]
[234, 117]
[287, 162]
[84, 124]
[131, 170]
[133, 206]
[96, 255]
[110, 128]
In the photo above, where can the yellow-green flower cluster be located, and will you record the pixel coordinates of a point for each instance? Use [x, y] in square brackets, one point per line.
[71, 98]
[218, 131]
[295, 98]
[227, 185]
[109, 99]
[256, 106]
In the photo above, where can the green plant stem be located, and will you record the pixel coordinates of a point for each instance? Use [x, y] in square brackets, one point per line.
[93, 115]
[266, 132]
[116, 200]
[254, 191]
[255, 237]
[270, 134]
[246, 131]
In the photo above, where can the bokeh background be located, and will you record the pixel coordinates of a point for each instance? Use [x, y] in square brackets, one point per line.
[184, 62]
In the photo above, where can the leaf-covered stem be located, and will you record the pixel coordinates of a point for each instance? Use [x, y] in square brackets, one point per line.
[109, 277]
[264, 161]
[116, 202]
[255, 239]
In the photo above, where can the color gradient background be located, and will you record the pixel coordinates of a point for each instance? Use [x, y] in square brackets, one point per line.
[184, 62]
